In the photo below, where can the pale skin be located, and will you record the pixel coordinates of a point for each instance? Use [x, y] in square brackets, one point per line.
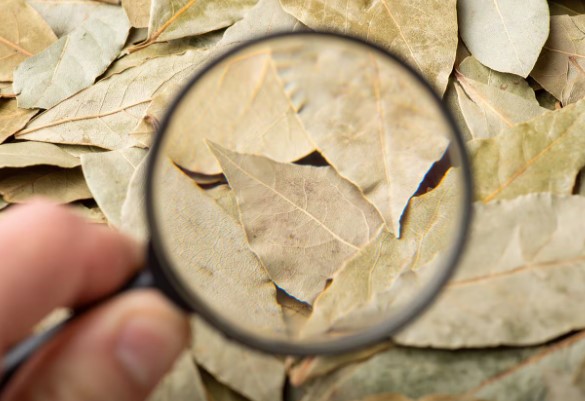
[50, 258]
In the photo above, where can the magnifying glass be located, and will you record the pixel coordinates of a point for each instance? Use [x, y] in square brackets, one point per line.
[307, 193]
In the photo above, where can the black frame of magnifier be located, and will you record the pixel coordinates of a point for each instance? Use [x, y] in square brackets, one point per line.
[173, 287]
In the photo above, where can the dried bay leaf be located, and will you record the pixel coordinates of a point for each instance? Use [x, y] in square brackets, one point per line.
[257, 376]
[204, 244]
[108, 175]
[390, 23]
[104, 114]
[541, 155]
[73, 62]
[219, 392]
[521, 280]
[133, 214]
[63, 16]
[569, 7]
[504, 35]
[291, 215]
[370, 119]
[26, 154]
[560, 68]
[255, 116]
[451, 101]
[182, 383]
[23, 32]
[428, 229]
[12, 118]
[92, 213]
[59, 185]
[138, 12]
[225, 197]
[174, 19]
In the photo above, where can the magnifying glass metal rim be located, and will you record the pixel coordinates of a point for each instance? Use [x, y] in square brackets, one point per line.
[161, 266]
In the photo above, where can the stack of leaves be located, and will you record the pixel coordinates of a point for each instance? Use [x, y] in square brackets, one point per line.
[83, 85]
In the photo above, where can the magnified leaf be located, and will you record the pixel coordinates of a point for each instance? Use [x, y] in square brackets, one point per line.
[228, 361]
[12, 118]
[182, 383]
[569, 7]
[108, 175]
[364, 127]
[63, 16]
[73, 62]
[59, 185]
[23, 32]
[204, 245]
[527, 252]
[225, 197]
[105, 113]
[390, 23]
[504, 35]
[255, 116]
[561, 67]
[541, 155]
[138, 12]
[26, 154]
[429, 228]
[293, 218]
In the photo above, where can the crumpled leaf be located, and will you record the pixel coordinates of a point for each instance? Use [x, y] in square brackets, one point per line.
[115, 105]
[528, 252]
[494, 101]
[174, 19]
[26, 154]
[23, 32]
[504, 35]
[257, 376]
[541, 155]
[63, 16]
[138, 12]
[59, 185]
[259, 119]
[108, 175]
[73, 62]
[303, 222]
[561, 67]
[429, 229]
[370, 119]
[408, 27]
[183, 382]
[12, 118]
[204, 244]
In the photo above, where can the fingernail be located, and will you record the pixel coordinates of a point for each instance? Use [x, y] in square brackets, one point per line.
[147, 346]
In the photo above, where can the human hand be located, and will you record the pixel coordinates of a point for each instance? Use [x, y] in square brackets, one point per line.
[50, 258]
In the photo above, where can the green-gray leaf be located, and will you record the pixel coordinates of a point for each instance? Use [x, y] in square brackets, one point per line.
[26, 154]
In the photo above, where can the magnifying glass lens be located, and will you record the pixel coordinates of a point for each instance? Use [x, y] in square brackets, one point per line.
[310, 191]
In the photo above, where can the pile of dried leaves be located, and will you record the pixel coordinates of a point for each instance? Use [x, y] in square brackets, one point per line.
[83, 84]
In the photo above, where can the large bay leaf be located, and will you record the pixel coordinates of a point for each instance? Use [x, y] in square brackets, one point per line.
[105, 113]
[174, 19]
[428, 229]
[26, 154]
[541, 155]
[73, 62]
[138, 12]
[63, 16]
[561, 67]
[255, 116]
[372, 122]
[521, 281]
[416, 373]
[108, 175]
[57, 184]
[259, 377]
[23, 32]
[408, 27]
[504, 35]
[12, 118]
[302, 221]
[182, 383]
[208, 250]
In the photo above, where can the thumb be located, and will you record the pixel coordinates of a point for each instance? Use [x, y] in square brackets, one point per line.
[119, 351]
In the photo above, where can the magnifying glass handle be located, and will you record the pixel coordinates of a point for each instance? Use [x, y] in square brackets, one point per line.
[20, 353]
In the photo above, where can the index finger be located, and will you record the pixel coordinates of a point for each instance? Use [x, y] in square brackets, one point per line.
[50, 257]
